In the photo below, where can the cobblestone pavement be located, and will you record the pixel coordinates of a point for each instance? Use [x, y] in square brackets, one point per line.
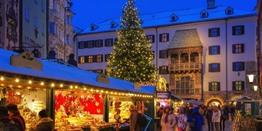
[228, 126]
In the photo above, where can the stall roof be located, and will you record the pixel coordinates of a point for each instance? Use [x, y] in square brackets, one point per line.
[63, 72]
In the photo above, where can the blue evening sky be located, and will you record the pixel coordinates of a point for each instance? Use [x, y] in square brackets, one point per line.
[95, 11]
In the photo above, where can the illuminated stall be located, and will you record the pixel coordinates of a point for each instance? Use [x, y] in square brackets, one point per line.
[164, 98]
[75, 98]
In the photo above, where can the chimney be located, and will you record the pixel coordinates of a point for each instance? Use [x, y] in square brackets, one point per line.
[211, 4]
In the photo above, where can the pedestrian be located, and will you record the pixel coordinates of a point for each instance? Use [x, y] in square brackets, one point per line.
[159, 114]
[117, 118]
[198, 120]
[181, 120]
[5, 123]
[168, 120]
[209, 113]
[15, 116]
[224, 117]
[45, 123]
[133, 118]
[216, 118]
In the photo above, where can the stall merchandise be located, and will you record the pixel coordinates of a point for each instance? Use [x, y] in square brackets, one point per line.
[79, 109]
[121, 105]
[29, 101]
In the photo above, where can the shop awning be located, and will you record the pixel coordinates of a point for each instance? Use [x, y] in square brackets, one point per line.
[63, 72]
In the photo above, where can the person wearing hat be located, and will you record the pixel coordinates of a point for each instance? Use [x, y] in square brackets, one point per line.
[15, 116]
[5, 123]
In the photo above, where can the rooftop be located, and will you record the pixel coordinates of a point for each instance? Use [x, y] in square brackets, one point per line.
[177, 17]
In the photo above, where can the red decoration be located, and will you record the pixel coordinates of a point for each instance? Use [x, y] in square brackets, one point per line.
[73, 102]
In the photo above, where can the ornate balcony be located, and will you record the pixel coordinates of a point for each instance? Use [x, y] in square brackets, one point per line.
[185, 67]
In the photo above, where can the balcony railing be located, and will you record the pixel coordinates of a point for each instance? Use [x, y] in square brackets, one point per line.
[185, 67]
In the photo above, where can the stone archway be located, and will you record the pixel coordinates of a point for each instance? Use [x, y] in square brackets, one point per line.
[214, 101]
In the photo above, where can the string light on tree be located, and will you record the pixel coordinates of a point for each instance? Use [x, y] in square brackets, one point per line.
[132, 57]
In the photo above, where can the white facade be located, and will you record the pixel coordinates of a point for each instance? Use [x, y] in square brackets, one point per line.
[225, 58]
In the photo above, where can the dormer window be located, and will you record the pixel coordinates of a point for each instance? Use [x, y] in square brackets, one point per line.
[93, 27]
[173, 17]
[203, 14]
[113, 24]
[229, 11]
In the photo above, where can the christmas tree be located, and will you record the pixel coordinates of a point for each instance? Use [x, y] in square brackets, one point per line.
[132, 57]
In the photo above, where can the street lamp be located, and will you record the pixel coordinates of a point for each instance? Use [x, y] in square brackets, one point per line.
[255, 87]
[251, 77]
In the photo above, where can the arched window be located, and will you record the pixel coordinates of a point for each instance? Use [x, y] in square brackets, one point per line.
[194, 57]
[229, 11]
[184, 58]
[174, 58]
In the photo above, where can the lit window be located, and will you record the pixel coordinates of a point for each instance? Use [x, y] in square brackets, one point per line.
[214, 86]
[164, 37]
[81, 59]
[238, 48]
[238, 85]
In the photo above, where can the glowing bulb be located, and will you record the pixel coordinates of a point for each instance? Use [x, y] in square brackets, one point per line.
[42, 83]
[85, 89]
[53, 85]
[2, 78]
[61, 85]
[76, 87]
[29, 82]
[71, 87]
[17, 80]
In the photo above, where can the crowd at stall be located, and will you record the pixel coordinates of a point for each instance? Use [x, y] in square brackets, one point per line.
[193, 117]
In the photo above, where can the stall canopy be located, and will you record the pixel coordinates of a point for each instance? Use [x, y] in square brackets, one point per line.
[57, 71]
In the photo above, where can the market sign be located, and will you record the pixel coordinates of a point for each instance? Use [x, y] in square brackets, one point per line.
[162, 95]
[27, 60]
[102, 78]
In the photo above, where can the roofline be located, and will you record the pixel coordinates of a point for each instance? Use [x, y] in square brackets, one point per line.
[71, 82]
[164, 25]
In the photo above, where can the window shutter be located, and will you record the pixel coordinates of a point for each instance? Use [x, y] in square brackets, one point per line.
[242, 85]
[243, 48]
[234, 48]
[233, 30]
[218, 31]
[209, 86]
[218, 67]
[218, 49]
[233, 85]
[218, 85]
[167, 35]
[209, 32]
[153, 38]
[102, 58]
[160, 38]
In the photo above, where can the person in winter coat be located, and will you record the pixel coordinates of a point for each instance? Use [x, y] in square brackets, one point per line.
[209, 113]
[45, 123]
[133, 118]
[168, 120]
[216, 117]
[15, 116]
[198, 120]
[5, 123]
[181, 120]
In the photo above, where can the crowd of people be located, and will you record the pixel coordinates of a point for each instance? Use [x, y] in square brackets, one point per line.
[193, 118]
[11, 120]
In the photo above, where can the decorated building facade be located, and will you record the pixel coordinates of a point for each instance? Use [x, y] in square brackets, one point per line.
[203, 53]
[60, 28]
[39, 26]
